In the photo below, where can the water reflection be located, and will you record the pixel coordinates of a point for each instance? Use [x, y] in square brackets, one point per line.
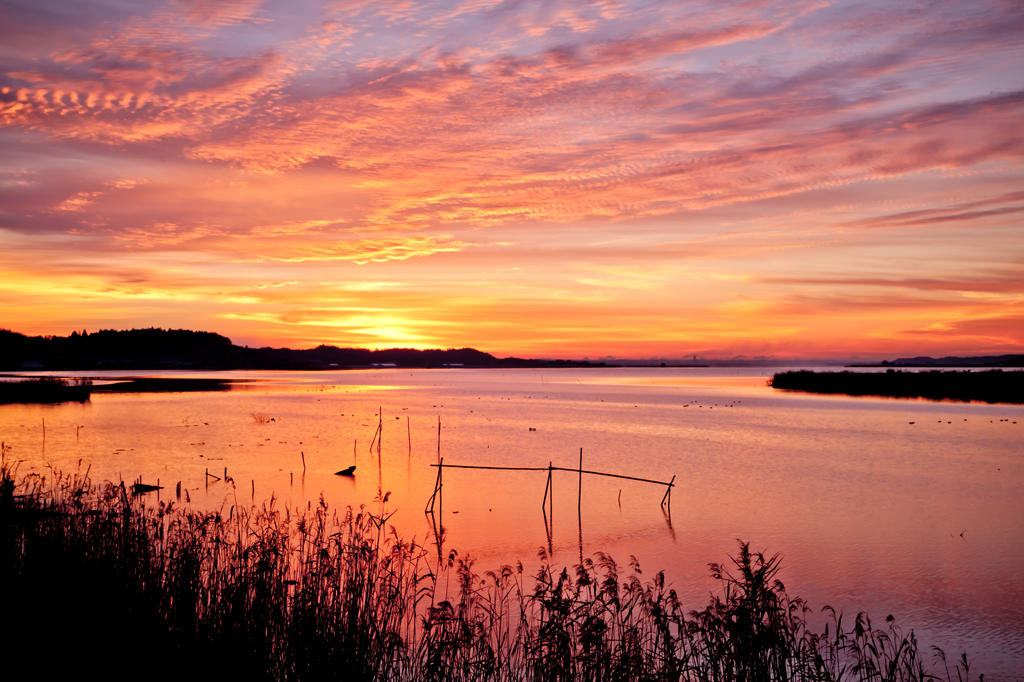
[866, 508]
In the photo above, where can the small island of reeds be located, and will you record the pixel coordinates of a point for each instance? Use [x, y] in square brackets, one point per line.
[45, 390]
[990, 386]
[98, 578]
[49, 389]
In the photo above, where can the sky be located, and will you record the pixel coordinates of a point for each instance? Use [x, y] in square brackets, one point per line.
[789, 179]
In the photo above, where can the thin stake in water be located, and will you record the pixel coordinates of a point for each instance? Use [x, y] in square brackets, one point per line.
[668, 496]
[549, 494]
[579, 499]
[579, 507]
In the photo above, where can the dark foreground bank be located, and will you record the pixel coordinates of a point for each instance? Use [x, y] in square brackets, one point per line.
[98, 579]
[991, 386]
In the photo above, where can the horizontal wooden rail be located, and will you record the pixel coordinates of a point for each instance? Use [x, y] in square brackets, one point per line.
[468, 466]
[583, 471]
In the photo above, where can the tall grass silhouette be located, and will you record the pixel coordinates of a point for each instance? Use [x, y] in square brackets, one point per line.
[94, 576]
[45, 390]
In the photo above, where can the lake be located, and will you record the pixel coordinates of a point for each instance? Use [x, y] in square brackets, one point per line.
[902, 507]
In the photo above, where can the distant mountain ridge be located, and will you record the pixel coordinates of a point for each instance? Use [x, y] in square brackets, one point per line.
[163, 349]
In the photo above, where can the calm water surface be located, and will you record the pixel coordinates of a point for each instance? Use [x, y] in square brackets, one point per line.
[870, 512]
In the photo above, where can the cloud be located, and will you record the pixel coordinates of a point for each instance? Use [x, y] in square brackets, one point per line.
[994, 333]
[963, 213]
[220, 12]
[363, 251]
[78, 202]
[1011, 283]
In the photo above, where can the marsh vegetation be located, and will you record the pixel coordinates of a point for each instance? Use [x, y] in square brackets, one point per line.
[104, 578]
[991, 386]
[45, 390]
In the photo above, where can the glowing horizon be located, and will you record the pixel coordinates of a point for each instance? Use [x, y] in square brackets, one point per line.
[560, 179]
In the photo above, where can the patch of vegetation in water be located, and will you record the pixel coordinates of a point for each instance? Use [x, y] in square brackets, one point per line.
[991, 386]
[45, 390]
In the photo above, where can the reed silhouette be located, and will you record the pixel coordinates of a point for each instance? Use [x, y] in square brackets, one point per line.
[104, 579]
[991, 386]
[45, 390]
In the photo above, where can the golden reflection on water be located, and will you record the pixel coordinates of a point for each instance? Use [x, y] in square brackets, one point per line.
[867, 508]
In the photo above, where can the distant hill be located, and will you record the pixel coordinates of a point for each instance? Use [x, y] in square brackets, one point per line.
[952, 361]
[162, 349]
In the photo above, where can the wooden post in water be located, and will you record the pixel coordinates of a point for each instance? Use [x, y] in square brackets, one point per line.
[547, 488]
[549, 494]
[438, 439]
[437, 486]
[579, 507]
[579, 500]
[668, 497]
[438, 522]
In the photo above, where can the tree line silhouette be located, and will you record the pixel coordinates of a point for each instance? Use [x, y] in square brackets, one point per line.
[155, 348]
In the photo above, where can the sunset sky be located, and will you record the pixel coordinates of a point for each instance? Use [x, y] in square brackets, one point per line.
[543, 179]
